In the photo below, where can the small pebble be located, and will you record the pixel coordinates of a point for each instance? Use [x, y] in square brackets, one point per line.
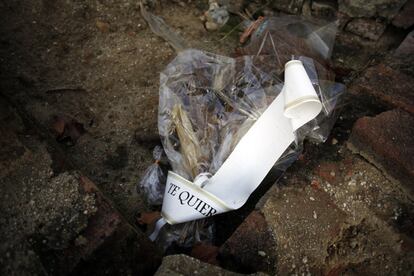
[352, 182]
[354, 244]
[261, 253]
[305, 260]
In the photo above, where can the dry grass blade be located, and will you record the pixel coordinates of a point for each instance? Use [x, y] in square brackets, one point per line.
[190, 146]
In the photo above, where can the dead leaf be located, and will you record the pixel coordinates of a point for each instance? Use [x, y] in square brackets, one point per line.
[315, 184]
[102, 26]
[205, 252]
[148, 218]
[58, 126]
[251, 29]
[67, 129]
[87, 184]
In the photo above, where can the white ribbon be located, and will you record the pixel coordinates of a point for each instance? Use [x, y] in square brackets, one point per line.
[250, 161]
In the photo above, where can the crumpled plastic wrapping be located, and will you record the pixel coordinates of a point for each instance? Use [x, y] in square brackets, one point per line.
[153, 180]
[208, 102]
[186, 234]
[285, 36]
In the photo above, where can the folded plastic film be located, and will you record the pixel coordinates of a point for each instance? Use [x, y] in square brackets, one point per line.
[208, 102]
[161, 29]
[153, 180]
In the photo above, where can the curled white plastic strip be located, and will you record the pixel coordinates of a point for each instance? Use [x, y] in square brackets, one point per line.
[252, 158]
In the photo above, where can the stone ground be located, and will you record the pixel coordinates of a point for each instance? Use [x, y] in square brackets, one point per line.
[78, 110]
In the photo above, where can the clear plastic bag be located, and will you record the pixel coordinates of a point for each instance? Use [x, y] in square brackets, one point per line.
[153, 180]
[289, 35]
[208, 102]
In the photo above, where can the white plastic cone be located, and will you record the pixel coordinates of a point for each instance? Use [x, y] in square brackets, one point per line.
[301, 100]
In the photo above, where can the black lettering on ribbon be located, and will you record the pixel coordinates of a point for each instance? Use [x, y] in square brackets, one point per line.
[183, 199]
[196, 203]
[172, 190]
